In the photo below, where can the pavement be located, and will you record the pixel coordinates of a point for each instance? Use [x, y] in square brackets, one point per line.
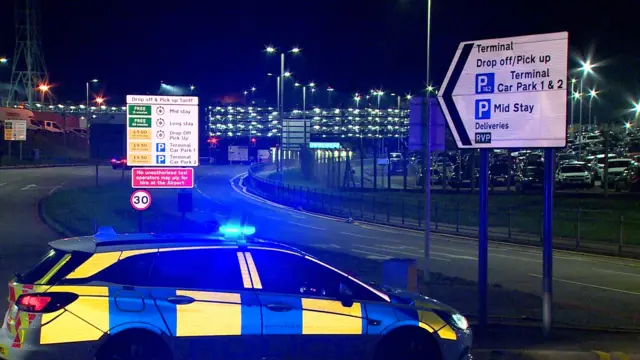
[589, 291]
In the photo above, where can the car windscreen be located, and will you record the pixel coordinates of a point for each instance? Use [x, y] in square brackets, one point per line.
[572, 169]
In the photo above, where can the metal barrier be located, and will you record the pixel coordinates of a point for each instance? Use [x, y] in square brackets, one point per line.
[577, 229]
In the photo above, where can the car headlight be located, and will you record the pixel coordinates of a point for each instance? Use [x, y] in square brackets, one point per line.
[456, 320]
[459, 321]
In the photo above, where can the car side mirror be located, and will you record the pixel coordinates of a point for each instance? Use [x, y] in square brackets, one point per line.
[345, 296]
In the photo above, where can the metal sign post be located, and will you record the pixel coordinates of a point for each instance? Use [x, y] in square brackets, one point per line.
[510, 93]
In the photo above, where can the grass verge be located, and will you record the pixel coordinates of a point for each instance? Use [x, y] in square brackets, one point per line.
[81, 210]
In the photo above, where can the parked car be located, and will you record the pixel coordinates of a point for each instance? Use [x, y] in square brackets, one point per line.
[597, 165]
[574, 175]
[500, 174]
[52, 127]
[629, 179]
[530, 177]
[615, 168]
[396, 163]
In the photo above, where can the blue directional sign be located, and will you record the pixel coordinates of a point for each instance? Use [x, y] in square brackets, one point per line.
[508, 93]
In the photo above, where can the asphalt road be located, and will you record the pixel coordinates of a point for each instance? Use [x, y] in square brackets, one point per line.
[594, 290]
[591, 290]
[23, 238]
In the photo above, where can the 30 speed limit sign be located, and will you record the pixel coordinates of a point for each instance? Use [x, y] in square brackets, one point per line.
[140, 200]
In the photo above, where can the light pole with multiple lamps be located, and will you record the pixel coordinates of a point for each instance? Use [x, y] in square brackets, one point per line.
[586, 69]
[592, 94]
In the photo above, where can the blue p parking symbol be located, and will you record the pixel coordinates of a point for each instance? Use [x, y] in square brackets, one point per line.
[160, 147]
[483, 109]
[161, 159]
[484, 83]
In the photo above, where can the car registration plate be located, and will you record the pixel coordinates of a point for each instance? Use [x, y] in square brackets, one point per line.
[4, 351]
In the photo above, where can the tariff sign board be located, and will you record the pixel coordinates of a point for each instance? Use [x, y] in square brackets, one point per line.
[162, 178]
[162, 130]
[140, 200]
[15, 130]
[509, 92]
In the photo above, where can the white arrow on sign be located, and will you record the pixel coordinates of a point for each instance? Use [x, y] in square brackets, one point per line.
[508, 93]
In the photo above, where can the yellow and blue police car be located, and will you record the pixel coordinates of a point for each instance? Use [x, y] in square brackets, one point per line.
[185, 296]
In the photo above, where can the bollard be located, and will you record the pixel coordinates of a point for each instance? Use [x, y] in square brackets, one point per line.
[402, 210]
[509, 223]
[361, 206]
[419, 213]
[578, 230]
[373, 207]
[621, 234]
[388, 208]
[400, 273]
[435, 214]
[457, 216]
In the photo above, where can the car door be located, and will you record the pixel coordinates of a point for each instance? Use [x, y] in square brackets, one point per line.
[302, 316]
[207, 303]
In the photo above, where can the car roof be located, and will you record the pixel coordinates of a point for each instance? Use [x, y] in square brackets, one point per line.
[109, 240]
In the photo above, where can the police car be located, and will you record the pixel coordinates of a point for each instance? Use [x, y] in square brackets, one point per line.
[223, 296]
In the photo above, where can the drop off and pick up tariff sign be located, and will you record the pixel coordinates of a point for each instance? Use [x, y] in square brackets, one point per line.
[162, 130]
[508, 93]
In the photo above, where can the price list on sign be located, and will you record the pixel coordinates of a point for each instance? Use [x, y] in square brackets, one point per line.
[162, 130]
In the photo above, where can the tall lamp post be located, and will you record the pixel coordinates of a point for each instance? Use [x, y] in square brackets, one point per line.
[90, 81]
[44, 88]
[592, 94]
[586, 69]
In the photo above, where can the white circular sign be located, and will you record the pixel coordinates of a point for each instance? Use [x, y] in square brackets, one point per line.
[140, 200]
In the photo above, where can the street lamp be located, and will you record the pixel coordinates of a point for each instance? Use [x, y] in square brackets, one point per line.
[43, 89]
[99, 100]
[357, 99]
[592, 94]
[192, 87]
[378, 93]
[586, 68]
[245, 96]
[90, 81]
[329, 91]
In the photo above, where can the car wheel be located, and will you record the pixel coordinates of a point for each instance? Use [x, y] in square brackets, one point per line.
[134, 345]
[408, 344]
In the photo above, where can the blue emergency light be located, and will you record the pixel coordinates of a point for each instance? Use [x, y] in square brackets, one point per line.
[237, 230]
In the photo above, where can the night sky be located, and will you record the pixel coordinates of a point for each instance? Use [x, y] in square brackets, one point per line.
[351, 45]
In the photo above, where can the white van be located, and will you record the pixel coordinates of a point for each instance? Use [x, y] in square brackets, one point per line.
[20, 114]
[51, 126]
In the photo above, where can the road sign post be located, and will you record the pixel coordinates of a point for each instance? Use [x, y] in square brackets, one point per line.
[510, 93]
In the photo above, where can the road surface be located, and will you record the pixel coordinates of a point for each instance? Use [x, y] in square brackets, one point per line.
[605, 290]
[591, 290]
[23, 238]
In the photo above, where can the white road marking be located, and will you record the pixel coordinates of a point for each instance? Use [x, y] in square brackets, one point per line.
[326, 246]
[305, 225]
[54, 189]
[515, 258]
[589, 285]
[368, 237]
[403, 231]
[617, 272]
[450, 249]
[297, 216]
[399, 247]
[3, 184]
[372, 256]
[31, 186]
[273, 218]
[398, 252]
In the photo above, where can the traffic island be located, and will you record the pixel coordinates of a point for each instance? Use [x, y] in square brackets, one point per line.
[81, 211]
